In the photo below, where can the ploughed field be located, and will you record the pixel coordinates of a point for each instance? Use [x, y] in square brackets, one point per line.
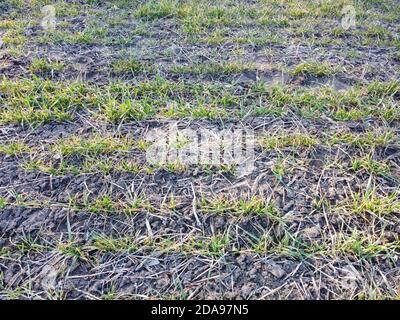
[90, 210]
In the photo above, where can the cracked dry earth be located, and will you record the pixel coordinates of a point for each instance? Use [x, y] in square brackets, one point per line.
[83, 215]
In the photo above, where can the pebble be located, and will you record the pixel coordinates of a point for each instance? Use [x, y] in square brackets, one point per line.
[246, 289]
[277, 271]
[312, 232]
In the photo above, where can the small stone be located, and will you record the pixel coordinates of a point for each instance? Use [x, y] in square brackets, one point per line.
[163, 282]
[246, 289]
[312, 232]
[277, 271]
[152, 262]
